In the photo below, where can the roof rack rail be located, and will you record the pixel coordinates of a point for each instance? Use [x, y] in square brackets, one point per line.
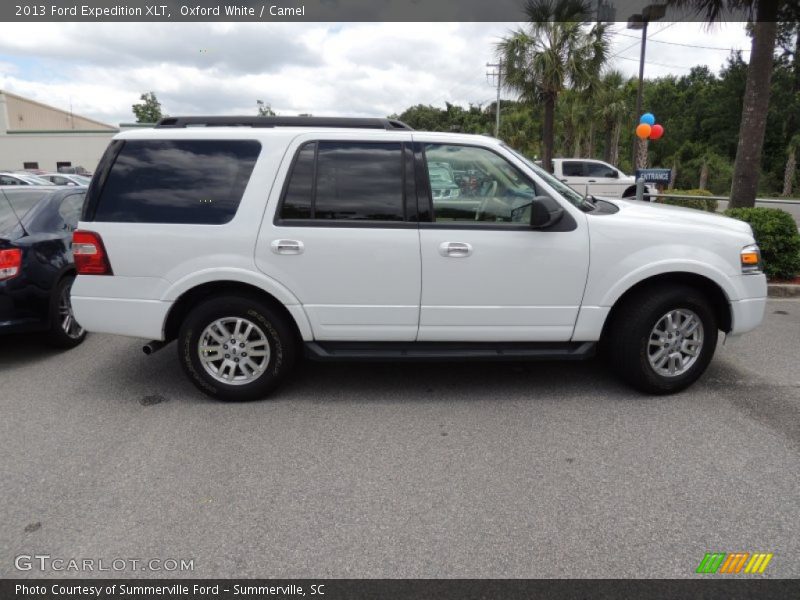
[247, 121]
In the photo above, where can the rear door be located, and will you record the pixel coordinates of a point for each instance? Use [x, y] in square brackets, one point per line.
[341, 234]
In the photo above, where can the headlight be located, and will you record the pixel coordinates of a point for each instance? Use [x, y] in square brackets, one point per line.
[751, 259]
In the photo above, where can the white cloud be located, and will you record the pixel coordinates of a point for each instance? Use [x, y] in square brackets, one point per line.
[672, 48]
[323, 68]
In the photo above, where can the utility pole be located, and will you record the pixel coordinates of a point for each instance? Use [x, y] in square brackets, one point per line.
[499, 74]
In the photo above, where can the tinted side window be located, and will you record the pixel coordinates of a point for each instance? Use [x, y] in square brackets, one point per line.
[599, 170]
[361, 181]
[177, 181]
[300, 189]
[572, 168]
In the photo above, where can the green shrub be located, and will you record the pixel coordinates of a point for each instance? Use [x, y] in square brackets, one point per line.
[776, 234]
[692, 192]
[708, 204]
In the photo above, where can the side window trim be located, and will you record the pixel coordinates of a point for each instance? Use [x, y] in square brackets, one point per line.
[314, 180]
[424, 194]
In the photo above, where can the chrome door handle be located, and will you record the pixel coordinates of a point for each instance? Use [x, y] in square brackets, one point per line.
[287, 247]
[592, 181]
[455, 249]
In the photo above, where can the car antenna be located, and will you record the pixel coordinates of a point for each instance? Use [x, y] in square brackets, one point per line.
[11, 206]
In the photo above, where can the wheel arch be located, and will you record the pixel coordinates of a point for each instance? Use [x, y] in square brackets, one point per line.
[717, 297]
[193, 296]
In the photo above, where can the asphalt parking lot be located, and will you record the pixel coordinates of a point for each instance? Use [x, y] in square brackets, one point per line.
[431, 470]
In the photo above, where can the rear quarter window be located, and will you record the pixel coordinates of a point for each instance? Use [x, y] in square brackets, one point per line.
[15, 205]
[177, 181]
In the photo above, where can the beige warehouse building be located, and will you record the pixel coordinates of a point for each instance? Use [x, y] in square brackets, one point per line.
[36, 136]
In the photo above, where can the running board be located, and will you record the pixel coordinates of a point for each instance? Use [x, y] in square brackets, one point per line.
[455, 351]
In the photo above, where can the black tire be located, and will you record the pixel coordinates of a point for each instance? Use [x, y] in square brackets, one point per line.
[269, 323]
[65, 332]
[628, 339]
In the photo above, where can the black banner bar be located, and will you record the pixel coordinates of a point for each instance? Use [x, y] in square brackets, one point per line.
[323, 10]
[733, 588]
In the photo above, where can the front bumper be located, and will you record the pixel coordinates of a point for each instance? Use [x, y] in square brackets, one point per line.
[747, 313]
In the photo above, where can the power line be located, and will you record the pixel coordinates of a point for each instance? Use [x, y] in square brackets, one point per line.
[639, 42]
[685, 45]
[647, 62]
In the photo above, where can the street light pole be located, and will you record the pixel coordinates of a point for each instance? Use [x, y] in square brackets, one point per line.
[640, 89]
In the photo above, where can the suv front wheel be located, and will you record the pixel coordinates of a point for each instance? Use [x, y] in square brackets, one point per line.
[236, 348]
[662, 339]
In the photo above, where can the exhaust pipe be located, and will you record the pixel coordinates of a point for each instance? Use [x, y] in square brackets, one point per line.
[153, 346]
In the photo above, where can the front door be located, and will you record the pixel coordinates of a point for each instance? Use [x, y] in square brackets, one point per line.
[486, 275]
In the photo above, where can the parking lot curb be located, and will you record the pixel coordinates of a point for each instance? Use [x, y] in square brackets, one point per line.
[784, 290]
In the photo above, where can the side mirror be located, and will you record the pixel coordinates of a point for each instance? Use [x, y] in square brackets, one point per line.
[545, 212]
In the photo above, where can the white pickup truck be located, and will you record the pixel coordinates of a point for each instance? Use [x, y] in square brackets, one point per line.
[251, 240]
[595, 178]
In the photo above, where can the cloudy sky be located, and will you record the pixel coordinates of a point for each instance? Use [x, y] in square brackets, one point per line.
[364, 69]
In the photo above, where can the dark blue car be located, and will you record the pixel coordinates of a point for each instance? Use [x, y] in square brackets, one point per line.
[36, 266]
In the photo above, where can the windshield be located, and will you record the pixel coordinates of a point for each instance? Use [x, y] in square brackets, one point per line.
[563, 189]
[15, 204]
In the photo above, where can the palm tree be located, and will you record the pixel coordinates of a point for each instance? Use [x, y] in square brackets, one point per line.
[747, 166]
[555, 51]
[791, 165]
[614, 111]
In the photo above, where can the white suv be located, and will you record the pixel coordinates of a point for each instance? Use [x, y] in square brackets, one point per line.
[254, 240]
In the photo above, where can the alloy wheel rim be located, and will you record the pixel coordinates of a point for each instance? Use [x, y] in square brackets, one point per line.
[69, 325]
[234, 350]
[675, 342]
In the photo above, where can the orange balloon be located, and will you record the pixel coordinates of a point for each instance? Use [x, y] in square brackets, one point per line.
[643, 131]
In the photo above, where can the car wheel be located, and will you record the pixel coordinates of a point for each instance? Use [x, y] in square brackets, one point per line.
[236, 348]
[662, 339]
[65, 331]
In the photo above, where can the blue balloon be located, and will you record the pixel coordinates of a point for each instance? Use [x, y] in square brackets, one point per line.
[648, 119]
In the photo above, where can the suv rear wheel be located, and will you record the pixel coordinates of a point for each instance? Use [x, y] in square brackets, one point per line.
[236, 348]
[662, 339]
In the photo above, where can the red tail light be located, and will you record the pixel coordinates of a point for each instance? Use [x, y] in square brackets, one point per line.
[90, 254]
[10, 263]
